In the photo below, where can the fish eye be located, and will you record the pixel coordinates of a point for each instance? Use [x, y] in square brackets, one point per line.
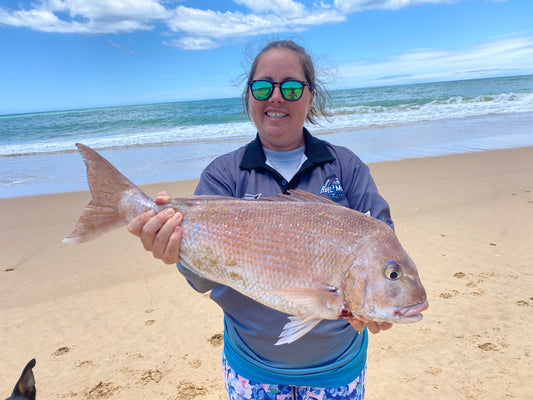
[393, 272]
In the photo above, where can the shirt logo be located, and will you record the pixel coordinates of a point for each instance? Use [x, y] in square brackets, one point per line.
[249, 196]
[333, 189]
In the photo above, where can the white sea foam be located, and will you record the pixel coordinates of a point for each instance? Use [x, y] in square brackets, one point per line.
[353, 110]
[177, 140]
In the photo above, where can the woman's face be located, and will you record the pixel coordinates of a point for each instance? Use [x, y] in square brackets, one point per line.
[279, 121]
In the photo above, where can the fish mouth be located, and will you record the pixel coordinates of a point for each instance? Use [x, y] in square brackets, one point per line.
[411, 313]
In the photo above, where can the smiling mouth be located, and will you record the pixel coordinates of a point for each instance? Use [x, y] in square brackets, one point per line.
[274, 114]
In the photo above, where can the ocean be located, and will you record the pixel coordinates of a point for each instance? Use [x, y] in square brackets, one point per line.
[174, 141]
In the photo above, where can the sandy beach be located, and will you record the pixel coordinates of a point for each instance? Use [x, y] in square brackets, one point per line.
[106, 320]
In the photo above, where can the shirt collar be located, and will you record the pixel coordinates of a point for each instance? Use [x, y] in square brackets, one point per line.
[315, 149]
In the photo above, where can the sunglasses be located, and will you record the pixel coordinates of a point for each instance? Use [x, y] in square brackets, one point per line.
[290, 90]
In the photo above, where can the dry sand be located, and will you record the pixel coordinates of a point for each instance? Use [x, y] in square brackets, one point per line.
[105, 320]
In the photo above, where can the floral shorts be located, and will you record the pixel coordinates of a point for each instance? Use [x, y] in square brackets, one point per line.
[239, 388]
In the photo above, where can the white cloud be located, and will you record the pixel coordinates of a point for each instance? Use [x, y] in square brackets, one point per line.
[87, 16]
[193, 43]
[101, 10]
[507, 55]
[210, 23]
[216, 25]
[41, 20]
[350, 6]
[279, 7]
[201, 29]
[124, 48]
[196, 29]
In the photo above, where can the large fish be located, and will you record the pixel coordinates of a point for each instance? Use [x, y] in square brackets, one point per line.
[300, 254]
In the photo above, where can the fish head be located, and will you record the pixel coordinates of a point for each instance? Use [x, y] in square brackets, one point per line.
[383, 285]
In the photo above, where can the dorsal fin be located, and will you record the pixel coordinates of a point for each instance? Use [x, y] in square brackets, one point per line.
[298, 195]
[25, 387]
[295, 195]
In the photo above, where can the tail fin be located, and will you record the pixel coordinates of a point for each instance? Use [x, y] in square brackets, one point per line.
[108, 209]
[25, 387]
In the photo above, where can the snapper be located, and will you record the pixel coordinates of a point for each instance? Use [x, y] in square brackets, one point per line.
[300, 254]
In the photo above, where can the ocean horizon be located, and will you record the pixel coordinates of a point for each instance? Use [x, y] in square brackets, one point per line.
[175, 141]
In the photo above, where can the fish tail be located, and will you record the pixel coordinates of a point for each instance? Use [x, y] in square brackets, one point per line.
[115, 199]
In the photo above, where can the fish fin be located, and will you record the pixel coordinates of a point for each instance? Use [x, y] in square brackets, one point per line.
[300, 196]
[108, 185]
[25, 386]
[326, 300]
[296, 328]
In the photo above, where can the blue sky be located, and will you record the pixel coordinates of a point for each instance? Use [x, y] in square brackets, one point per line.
[68, 54]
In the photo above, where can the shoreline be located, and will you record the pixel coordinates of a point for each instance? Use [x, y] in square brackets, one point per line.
[193, 181]
[106, 318]
[64, 172]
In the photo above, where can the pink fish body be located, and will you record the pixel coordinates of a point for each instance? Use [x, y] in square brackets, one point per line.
[300, 254]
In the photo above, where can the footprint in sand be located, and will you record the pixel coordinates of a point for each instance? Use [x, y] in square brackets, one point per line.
[216, 340]
[102, 390]
[476, 280]
[61, 351]
[152, 375]
[449, 295]
[188, 390]
[195, 363]
[134, 355]
[433, 370]
[525, 303]
[488, 346]
[470, 390]
[84, 364]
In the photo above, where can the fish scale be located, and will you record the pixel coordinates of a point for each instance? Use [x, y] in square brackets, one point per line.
[250, 234]
[300, 254]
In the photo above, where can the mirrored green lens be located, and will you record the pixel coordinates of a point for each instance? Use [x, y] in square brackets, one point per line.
[292, 90]
[262, 90]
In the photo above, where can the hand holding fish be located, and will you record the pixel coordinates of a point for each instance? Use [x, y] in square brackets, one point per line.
[373, 327]
[160, 232]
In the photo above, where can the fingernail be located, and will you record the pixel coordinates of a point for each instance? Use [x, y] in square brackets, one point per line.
[170, 211]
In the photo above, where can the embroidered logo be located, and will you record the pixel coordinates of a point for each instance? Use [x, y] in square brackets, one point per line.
[249, 196]
[333, 189]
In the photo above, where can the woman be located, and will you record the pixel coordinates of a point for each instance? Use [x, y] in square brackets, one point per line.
[329, 361]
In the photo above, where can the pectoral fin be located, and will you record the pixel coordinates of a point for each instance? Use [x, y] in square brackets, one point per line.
[316, 304]
[325, 302]
[295, 329]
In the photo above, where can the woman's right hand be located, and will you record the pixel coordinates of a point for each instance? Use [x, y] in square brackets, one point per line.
[160, 232]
